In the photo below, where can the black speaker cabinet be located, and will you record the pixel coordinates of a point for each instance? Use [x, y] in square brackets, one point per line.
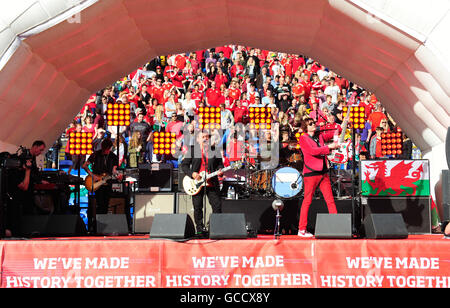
[147, 205]
[227, 226]
[52, 225]
[333, 226]
[112, 224]
[446, 194]
[34, 226]
[155, 177]
[447, 147]
[415, 211]
[172, 226]
[385, 226]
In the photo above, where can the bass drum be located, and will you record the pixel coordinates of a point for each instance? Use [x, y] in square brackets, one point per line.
[287, 183]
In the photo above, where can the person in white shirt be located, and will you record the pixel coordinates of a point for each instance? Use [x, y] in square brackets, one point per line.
[188, 105]
[226, 117]
[333, 90]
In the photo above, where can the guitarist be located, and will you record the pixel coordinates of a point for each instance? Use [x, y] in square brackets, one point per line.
[315, 172]
[102, 161]
[209, 159]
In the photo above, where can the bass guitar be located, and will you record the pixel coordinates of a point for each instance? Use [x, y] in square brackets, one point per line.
[192, 186]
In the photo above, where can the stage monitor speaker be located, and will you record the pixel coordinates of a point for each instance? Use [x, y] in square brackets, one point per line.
[52, 225]
[112, 224]
[155, 177]
[172, 226]
[446, 195]
[333, 226]
[66, 225]
[34, 226]
[147, 205]
[227, 226]
[385, 226]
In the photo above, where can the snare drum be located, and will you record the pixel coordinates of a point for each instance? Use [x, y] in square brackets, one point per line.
[287, 182]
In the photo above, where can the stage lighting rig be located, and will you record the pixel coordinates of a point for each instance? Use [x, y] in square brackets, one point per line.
[118, 114]
[392, 143]
[357, 117]
[209, 118]
[260, 117]
[80, 143]
[164, 143]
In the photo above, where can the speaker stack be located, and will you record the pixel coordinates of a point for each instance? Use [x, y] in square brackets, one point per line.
[446, 181]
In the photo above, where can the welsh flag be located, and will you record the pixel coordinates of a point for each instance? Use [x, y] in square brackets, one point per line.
[395, 178]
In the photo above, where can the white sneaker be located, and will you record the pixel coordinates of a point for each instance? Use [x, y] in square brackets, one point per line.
[304, 233]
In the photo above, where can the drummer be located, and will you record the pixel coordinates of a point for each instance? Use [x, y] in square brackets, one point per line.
[285, 147]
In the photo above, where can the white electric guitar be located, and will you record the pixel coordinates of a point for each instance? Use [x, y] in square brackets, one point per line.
[192, 186]
[341, 154]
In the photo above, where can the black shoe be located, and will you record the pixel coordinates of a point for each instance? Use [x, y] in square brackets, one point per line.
[201, 232]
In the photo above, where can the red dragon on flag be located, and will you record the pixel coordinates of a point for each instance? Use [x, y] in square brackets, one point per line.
[397, 180]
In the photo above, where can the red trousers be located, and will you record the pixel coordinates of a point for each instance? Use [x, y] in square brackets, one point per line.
[310, 185]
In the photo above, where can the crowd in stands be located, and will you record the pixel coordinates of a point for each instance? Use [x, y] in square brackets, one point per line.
[166, 94]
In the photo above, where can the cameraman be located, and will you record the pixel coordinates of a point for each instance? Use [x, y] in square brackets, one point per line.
[20, 187]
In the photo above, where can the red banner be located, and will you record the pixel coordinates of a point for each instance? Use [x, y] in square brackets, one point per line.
[422, 262]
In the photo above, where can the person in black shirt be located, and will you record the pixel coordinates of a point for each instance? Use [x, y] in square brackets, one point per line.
[103, 162]
[200, 158]
[20, 189]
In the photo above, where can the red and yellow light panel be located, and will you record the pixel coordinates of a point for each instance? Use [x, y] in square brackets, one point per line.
[164, 143]
[260, 117]
[118, 114]
[80, 143]
[391, 143]
[209, 117]
[357, 116]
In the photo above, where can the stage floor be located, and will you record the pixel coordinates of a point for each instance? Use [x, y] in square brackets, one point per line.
[139, 261]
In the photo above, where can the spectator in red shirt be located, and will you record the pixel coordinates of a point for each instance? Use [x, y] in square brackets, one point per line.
[220, 78]
[240, 113]
[212, 95]
[376, 116]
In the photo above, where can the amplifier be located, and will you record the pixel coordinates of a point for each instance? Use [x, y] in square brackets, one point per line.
[146, 205]
[155, 177]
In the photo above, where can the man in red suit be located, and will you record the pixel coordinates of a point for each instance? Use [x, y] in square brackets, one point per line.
[315, 172]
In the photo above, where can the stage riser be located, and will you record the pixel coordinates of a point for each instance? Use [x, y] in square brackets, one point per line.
[260, 215]
[288, 262]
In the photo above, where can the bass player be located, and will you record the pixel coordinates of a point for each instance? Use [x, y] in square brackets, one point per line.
[204, 158]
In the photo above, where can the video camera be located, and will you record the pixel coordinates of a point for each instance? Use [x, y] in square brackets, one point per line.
[16, 160]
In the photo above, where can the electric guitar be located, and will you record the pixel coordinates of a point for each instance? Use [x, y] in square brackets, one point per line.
[192, 186]
[341, 154]
[92, 185]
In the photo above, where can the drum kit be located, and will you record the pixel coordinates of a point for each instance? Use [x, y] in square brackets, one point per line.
[284, 181]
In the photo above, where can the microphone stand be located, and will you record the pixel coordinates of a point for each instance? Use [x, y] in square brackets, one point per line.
[354, 228]
[277, 233]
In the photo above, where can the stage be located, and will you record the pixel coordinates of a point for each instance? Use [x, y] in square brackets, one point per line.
[138, 261]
